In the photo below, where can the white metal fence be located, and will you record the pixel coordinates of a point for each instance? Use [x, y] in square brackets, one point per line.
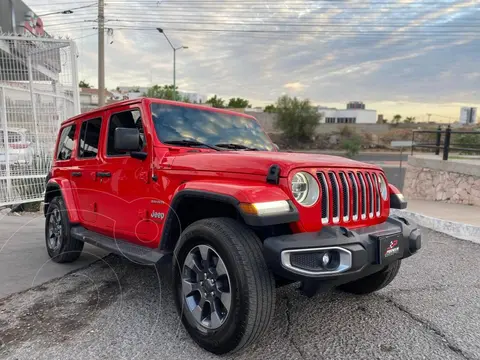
[38, 90]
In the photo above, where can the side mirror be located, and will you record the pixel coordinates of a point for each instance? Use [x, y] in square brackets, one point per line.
[126, 139]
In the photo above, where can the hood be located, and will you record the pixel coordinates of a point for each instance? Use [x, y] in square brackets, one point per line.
[258, 162]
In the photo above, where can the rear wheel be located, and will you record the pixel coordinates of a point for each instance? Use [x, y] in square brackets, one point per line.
[374, 282]
[61, 247]
[223, 289]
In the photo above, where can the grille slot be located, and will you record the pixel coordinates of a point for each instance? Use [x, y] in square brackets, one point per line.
[325, 196]
[371, 195]
[377, 194]
[346, 196]
[355, 195]
[335, 197]
[363, 186]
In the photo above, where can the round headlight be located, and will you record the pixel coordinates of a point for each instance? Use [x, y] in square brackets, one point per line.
[383, 187]
[305, 188]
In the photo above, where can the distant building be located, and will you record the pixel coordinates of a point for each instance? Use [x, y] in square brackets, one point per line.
[356, 105]
[380, 119]
[348, 116]
[468, 115]
[89, 98]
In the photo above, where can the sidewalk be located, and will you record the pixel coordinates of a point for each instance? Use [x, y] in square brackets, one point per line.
[460, 221]
[451, 212]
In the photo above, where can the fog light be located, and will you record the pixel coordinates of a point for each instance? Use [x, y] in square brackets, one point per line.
[325, 259]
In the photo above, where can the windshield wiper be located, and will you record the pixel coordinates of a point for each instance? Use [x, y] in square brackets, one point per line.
[236, 147]
[191, 143]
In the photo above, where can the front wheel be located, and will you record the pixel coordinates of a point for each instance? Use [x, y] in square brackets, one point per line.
[374, 282]
[223, 290]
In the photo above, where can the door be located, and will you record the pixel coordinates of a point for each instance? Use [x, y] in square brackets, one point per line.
[124, 204]
[84, 174]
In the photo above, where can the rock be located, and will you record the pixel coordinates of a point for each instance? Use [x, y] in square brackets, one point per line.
[471, 180]
[463, 194]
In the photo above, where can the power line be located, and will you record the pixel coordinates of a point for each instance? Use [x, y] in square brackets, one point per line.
[271, 3]
[157, 21]
[299, 31]
[63, 11]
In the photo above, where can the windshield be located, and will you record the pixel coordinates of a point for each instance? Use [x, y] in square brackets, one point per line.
[176, 123]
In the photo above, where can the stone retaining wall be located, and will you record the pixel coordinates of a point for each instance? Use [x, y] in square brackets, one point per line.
[432, 179]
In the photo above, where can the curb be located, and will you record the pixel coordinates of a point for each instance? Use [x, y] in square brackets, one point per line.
[452, 228]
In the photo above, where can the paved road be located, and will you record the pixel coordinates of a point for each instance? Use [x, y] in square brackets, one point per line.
[369, 156]
[117, 310]
[23, 259]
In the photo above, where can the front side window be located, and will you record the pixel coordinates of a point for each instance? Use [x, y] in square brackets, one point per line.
[89, 137]
[65, 145]
[176, 123]
[124, 119]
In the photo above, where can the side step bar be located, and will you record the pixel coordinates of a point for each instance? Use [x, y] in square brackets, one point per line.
[136, 253]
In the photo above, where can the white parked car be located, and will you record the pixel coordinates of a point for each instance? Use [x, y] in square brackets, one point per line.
[21, 147]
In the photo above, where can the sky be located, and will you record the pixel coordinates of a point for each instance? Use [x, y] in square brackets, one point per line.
[397, 56]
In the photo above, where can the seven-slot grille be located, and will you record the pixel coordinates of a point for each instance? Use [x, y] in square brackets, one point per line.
[349, 195]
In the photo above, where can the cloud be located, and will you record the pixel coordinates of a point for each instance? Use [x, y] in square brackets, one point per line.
[328, 51]
[295, 86]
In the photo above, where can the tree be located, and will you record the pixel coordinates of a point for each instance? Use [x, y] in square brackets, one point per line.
[238, 103]
[216, 102]
[396, 119]
[409, 120]
[84, 85]
[166, 92]
[296, 118]
[270, 109]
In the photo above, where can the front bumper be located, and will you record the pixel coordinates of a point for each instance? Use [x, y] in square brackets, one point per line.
[357, 253]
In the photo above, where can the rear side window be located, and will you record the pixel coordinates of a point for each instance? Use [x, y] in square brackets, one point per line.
[65, 145]
[125, 119]
[89, 137]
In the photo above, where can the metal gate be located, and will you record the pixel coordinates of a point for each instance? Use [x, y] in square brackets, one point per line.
[38, 90]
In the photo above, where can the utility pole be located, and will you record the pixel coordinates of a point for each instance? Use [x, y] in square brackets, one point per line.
[101, 53]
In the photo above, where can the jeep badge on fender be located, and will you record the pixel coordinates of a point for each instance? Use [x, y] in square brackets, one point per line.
[239, 216]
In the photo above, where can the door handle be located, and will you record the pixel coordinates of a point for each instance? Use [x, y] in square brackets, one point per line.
[76, 174]
[105, 174]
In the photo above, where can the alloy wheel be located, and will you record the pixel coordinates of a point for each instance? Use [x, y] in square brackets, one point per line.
[206, 287]
[55, 233]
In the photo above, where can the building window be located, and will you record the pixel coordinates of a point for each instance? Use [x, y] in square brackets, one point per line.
[330, 120]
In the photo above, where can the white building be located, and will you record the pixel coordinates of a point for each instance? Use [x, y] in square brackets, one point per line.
[468, 115]
[347, 116]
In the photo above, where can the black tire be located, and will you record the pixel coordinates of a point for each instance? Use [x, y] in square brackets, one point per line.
[374, 282]
[252, 284]
[67, 249]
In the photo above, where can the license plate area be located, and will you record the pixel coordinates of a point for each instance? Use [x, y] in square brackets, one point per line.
[389, 247]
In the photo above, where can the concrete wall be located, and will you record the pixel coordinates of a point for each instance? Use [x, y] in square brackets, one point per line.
[453, 181]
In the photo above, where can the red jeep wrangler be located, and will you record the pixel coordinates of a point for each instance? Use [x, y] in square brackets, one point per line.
[149, 178]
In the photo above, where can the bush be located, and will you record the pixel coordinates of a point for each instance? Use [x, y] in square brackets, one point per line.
[297, 118]
[471, 141]
[352, 145]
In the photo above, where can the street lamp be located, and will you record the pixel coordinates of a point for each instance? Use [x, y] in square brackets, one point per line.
[160, 30]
